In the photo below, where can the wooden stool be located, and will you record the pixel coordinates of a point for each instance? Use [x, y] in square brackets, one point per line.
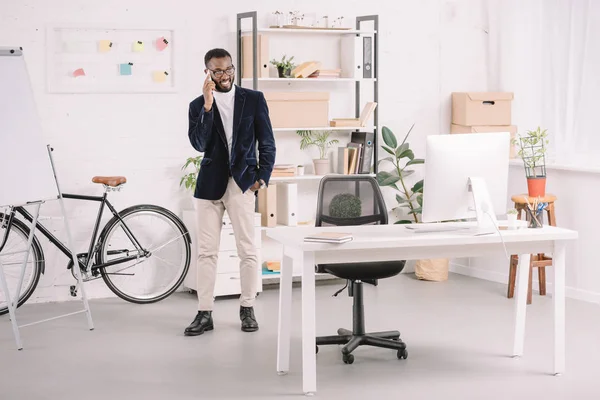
[539, 261]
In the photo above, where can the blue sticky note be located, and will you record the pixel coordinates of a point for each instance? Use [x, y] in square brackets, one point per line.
[125, 69]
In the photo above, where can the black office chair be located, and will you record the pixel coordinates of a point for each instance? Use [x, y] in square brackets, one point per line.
[347, 200]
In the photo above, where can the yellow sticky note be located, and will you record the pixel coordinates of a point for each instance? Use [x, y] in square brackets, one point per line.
[105, 46]
[159, 76]
[138, 46]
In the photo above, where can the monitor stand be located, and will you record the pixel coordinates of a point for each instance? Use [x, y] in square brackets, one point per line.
[484, 209]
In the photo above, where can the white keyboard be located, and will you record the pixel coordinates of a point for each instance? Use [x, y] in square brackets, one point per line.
[418, 228]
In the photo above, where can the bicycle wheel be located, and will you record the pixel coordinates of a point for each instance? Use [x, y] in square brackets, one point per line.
[11, 258]
[161, 244]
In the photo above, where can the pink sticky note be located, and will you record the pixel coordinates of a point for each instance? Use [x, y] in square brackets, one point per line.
[161, 43]
[79, 72]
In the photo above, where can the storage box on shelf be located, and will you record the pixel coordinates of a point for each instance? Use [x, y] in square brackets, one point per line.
[228, 264]
[298, 109]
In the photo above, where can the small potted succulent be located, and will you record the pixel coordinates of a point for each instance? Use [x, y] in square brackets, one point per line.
[532, 150]
[322, 141]
[511, 216]
[284, 67]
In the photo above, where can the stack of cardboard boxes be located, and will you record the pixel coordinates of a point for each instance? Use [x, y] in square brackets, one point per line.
[483, 112]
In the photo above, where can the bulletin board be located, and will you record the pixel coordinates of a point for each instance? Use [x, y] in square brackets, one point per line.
[112, 60]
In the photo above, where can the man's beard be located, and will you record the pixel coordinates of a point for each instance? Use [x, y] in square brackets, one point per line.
[223, 89]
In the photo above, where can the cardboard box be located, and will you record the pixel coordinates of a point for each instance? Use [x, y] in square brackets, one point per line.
[481, 108]
[298, 109]
[489, 129]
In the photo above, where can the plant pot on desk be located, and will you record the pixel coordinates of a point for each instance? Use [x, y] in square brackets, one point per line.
[536, 186]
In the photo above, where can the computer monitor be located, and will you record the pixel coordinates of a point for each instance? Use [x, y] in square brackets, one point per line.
[466, 176]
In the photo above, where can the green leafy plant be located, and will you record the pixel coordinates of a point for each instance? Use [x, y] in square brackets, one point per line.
[189, 179]
[283, 63]
[402, 157]
[284, 66]
[512, 211]
[345, 205]
[316, 138]
[532, 150]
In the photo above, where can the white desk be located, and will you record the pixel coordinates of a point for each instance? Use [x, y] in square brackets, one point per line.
[395, 242]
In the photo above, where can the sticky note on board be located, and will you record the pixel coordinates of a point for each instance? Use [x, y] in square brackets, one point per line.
[125, 69]
[104, 46]
[159, 76]
[161, 43]
[138, 46]
[79, 72]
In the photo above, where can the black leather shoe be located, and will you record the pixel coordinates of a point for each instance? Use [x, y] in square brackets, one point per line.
[203, 322]
[248, 319]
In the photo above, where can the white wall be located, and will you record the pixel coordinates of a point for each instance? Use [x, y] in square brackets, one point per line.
[428, 49]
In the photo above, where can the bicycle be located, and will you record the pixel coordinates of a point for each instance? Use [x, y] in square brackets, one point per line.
[117, 246]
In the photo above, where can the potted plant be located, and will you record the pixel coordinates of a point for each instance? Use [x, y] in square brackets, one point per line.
[322, 141]
[532, 149]
[188, 180]
[408, 197]
[188, 213]
[511, 216]
[284, 67]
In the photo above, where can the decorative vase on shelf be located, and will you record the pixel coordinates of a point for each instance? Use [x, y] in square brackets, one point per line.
[321, 166]
[300, 170]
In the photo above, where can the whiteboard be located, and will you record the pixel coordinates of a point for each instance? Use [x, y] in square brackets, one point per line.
[26, 173]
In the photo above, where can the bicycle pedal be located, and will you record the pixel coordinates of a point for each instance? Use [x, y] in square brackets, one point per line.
[73, 290]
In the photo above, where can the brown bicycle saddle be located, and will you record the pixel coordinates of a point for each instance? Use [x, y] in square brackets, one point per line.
[112, 181]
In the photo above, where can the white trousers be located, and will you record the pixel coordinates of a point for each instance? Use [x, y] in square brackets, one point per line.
[240, 208]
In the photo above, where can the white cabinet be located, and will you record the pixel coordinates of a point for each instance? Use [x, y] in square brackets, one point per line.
[228, 264]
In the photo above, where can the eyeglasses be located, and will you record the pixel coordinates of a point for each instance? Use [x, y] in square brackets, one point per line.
[219, 73]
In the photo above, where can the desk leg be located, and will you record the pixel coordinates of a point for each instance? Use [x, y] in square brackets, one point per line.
[309, 341]
[558, 299]
[285, 314]
[521, 303]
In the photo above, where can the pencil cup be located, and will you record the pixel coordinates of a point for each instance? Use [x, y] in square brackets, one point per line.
[535, 220]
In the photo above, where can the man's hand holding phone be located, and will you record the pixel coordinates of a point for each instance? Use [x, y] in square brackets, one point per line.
[207, 90]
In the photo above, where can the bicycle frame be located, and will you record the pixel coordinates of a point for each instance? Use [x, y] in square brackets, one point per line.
[93, 243]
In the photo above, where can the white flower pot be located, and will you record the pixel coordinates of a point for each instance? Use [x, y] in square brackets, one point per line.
[321, 166]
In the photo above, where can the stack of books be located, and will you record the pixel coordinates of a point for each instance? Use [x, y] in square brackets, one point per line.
[326, 73]
[284, 170]
[357, 156]
[365, 116]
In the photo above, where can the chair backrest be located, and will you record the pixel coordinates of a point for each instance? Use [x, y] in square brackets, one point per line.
[345, 200]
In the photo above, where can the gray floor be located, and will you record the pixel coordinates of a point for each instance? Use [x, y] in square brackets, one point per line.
[458, 335]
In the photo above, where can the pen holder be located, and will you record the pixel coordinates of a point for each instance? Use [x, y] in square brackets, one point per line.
[534, 220]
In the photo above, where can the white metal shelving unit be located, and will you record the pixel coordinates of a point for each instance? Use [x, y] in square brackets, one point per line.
[296, 34]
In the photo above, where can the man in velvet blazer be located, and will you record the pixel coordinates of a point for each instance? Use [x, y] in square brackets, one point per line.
[228, 124]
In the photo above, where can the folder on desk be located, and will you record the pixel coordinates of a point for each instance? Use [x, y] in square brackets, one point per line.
[287, 204]
[329, 237]
[267, 206]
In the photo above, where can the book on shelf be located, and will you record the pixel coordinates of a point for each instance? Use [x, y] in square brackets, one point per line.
[365, 115]
[356, 157]
[329, 237]
[326, 73]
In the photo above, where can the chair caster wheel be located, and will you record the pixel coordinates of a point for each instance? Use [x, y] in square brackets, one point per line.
[402, 354]
[316, 349]
[348, 358]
